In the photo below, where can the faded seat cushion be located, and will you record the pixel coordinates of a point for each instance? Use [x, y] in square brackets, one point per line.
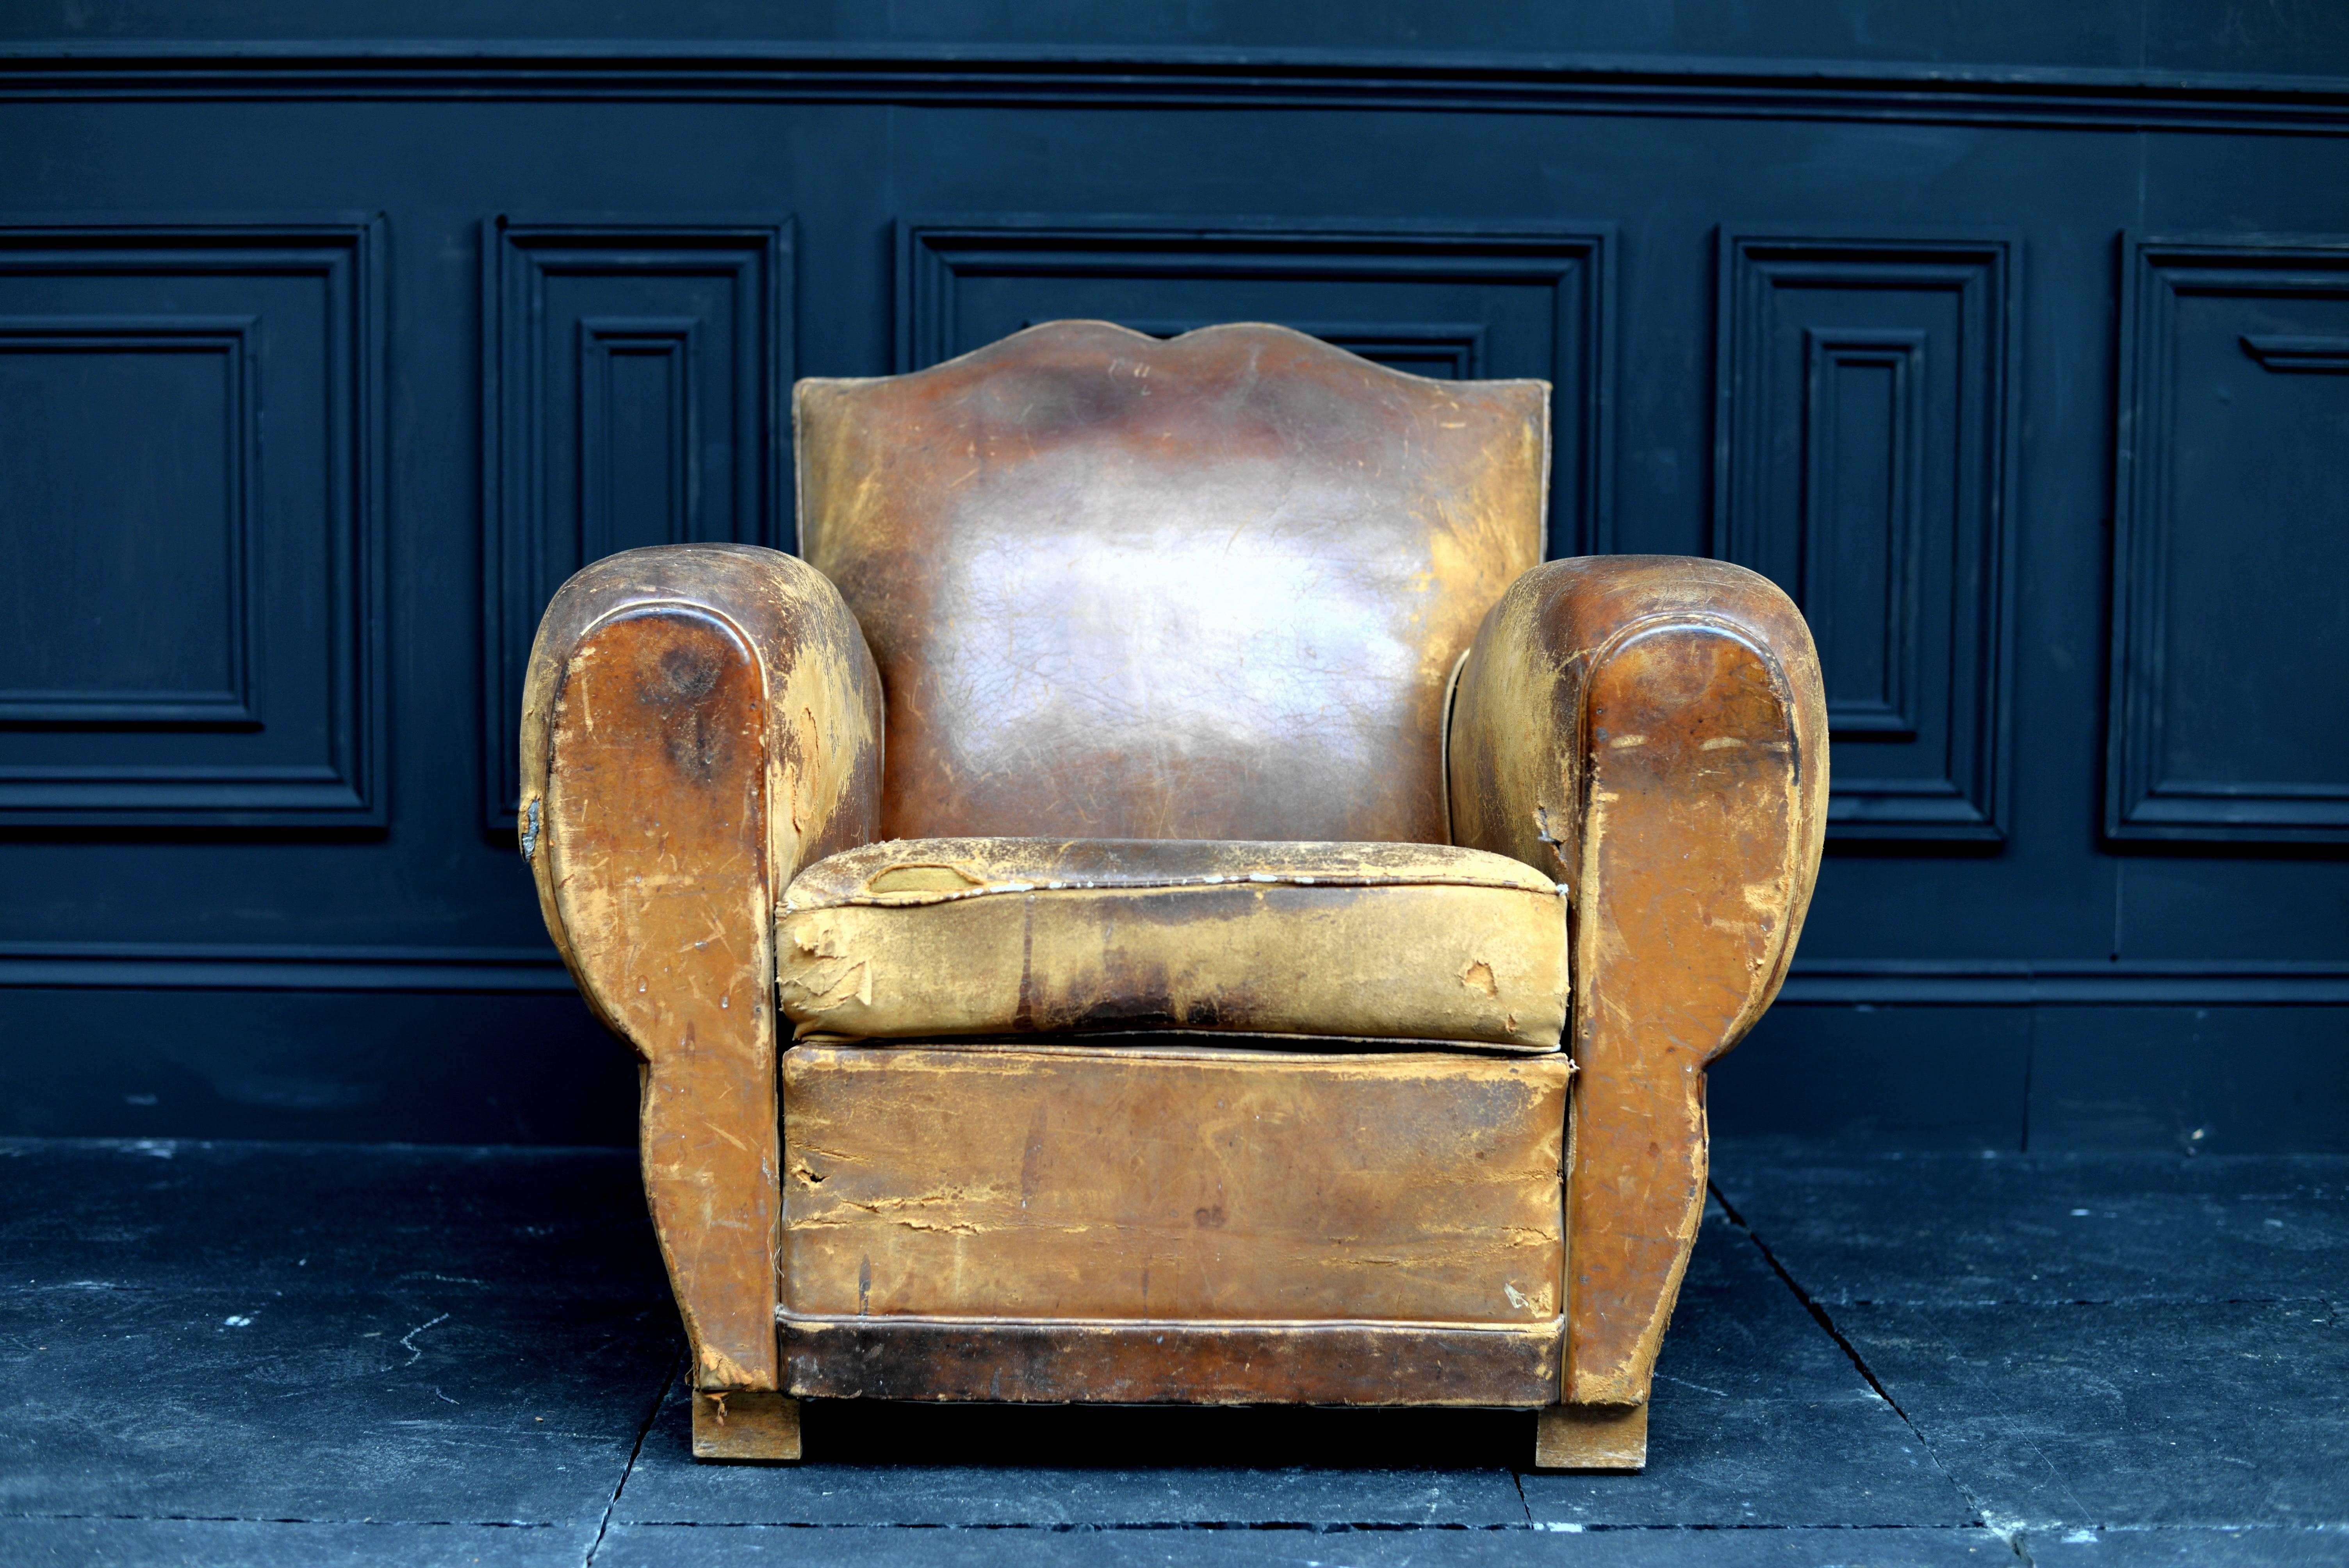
[926, 938]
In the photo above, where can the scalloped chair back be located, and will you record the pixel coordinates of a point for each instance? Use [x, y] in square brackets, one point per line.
[1210, 587]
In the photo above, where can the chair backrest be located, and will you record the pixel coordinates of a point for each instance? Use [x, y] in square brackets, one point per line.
[1210, 587]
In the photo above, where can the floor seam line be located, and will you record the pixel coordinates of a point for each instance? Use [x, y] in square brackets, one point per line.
[644, 1430]
[1859, 1363]
[1327, 1527]
[290, 1521]
[1811, 1305]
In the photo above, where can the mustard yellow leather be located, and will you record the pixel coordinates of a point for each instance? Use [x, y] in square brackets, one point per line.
[929, 938]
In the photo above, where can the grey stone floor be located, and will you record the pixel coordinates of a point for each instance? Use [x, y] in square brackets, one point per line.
[316, 1355]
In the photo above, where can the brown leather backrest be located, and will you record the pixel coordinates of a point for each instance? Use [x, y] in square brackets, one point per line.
[1205, 588]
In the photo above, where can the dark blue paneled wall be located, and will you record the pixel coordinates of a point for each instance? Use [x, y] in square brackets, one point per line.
[2015, 342]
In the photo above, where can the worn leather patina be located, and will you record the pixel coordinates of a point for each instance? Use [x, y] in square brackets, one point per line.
[699, 724]
[1651, 730]
[1145, 651]
[1205, 588]
[1419, 942]
[1205, 1225]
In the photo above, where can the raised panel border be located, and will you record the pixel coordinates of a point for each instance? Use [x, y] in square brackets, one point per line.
[345, 788]
[1894, 717]
[1968, 809]
[230, 337]
[934, 252]
[2141, 807]
[515, 574]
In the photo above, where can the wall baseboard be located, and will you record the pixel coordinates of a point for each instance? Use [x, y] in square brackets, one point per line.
[1820, 983]
[1979, 983]
[491, 1044]
[192, 966]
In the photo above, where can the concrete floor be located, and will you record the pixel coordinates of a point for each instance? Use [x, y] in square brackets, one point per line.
[326, 1355]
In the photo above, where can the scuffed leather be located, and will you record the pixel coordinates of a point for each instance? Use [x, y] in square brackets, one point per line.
[1167, 1188]
[1651, 730]
[699, 722]
[1209, 588]
[889, 873]
[942, 938]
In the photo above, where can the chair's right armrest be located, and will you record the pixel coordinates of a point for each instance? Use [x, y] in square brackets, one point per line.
[1649, 731]
[700, 721]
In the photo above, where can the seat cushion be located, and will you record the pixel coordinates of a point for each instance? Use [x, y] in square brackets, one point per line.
[926, 938]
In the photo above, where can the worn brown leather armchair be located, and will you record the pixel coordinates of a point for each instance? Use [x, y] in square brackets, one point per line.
[1177, 819]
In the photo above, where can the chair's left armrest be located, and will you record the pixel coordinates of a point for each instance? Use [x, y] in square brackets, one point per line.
[1651, 731]
[700, 721]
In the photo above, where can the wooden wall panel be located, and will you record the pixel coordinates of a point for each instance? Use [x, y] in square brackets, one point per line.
[262, 361]
[635, 391]
[2230, 544]
[190, 614]
[1862, 398]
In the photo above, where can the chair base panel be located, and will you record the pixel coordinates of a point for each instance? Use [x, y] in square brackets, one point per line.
[745, 1425]
[1591, 1438]
[1192, 1186]
[1172, 1363]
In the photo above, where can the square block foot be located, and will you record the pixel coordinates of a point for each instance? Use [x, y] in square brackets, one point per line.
[1591, 1438]
[739, 1425]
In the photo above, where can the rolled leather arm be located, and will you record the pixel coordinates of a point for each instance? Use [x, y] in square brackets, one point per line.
[1652, 732]
[699, 721]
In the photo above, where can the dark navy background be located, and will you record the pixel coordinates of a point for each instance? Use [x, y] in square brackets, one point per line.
[2015, 342]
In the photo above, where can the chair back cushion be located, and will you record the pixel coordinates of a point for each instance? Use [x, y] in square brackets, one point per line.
[1210, 587]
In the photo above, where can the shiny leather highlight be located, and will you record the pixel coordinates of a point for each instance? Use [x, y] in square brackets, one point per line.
[1210, 587]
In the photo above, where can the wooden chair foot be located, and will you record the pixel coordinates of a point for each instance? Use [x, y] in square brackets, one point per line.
[745, 1424]
[1591, 1438]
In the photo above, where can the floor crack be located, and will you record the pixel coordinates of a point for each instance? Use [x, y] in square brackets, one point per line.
[1819, 1313]
[2013, 1537]
[643, 1431]
[287, 1518]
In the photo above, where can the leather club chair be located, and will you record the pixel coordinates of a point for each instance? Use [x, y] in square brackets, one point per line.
[1179, 818]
